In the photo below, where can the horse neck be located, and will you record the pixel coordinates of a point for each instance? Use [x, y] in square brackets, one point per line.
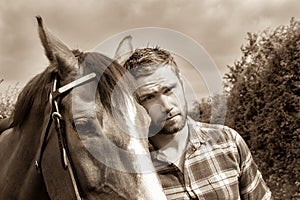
[31, 133]
[21, 147]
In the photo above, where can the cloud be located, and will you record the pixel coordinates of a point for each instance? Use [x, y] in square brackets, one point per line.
[219, 26]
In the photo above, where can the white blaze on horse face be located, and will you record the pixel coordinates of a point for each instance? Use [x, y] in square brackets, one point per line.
[135, 146]
[152, 187]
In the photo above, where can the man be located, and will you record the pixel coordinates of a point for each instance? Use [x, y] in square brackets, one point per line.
[193, 160]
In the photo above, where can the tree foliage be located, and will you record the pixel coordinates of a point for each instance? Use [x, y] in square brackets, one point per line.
[264, 104]
[210, 110]
[8, 99]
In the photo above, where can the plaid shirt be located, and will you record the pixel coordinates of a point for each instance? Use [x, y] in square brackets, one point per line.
[218, 165]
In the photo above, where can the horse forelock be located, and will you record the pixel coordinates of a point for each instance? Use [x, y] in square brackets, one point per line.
[113, 79]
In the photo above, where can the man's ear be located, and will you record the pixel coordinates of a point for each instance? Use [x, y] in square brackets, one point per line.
[124, 50]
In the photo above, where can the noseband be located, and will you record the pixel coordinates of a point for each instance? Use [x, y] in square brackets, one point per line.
[57, 119]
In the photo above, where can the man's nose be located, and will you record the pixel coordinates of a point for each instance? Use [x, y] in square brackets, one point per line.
[165, 103]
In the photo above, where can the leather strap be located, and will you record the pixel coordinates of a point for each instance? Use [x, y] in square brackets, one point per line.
[62, 169]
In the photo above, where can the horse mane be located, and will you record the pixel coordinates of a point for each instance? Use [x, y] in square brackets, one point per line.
[109, 73]
[37, 90]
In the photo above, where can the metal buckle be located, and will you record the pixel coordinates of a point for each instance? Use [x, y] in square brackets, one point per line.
[56, 116]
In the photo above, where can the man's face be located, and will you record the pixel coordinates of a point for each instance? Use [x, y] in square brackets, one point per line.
[162, 95]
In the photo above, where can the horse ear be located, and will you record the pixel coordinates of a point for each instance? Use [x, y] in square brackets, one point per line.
[124, 50]
[56, 51]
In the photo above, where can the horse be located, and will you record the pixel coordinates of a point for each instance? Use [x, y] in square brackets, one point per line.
[77, 132]
[5, 123]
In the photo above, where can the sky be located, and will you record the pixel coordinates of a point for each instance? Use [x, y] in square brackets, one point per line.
[220, 27]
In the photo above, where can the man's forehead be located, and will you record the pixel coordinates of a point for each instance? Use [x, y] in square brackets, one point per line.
[154, 87]
[162, 77]
[149, 88]
[163, 72]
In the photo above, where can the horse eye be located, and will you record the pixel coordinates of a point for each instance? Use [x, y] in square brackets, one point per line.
[82, 125]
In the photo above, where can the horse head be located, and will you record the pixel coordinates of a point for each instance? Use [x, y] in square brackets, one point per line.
[84, 131]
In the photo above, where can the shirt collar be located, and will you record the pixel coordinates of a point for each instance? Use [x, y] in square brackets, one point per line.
[197, 137]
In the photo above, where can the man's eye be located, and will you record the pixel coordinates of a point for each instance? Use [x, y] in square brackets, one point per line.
[147, 98]
[168, 90]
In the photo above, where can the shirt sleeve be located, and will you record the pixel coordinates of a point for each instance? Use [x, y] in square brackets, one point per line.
[251, 184]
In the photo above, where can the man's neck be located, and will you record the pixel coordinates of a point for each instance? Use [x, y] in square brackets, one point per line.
[171, 146]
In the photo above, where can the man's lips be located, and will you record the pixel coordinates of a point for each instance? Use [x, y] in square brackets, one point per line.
[163, 120]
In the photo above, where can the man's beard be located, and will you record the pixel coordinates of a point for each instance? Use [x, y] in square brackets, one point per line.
[167, 130]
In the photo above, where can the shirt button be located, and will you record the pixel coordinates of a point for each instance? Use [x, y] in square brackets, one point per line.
[191, 150]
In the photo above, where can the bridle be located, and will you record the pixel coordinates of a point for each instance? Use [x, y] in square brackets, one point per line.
[57, 119]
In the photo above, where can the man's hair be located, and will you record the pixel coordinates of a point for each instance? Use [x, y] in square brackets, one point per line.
[145, 61]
